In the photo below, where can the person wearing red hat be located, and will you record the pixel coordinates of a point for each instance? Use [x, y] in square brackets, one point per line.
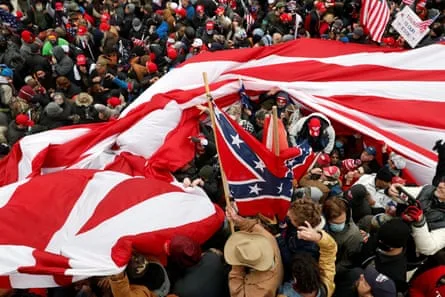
[82, 71]
[18, 128]
[316, 129]
[151, 67]
[114, 102]
[313, 19]
[28, 39]
[222, 22]
[199, 20]
[84, 41]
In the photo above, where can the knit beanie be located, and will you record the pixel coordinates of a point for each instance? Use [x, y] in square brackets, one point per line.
[53, 109]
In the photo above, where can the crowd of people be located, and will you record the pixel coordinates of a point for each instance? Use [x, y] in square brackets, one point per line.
[351, 229]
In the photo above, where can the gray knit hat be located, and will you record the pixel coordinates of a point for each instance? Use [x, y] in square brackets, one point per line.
[53, 109]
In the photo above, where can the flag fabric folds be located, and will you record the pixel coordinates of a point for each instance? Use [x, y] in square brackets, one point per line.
[374, 16]
[66, 226]
[349, 83]
[259, 181]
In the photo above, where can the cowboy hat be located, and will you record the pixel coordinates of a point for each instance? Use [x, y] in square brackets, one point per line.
[249, 249]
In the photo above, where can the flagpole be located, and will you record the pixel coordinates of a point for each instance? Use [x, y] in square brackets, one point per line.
[212, 118]
[276, 137]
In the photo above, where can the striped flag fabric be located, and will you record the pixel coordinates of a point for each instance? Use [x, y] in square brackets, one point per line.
[408, 2]
[258, 180]
[95, 219]
[353, 85]
[424, 25]
[374, 17]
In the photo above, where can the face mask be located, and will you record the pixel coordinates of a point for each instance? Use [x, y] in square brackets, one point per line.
[336, 227]
[39, 7]
[383, 247]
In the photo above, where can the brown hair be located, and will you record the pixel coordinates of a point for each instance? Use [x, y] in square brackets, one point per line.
[305, 209]
[63, 82]
[333, 208]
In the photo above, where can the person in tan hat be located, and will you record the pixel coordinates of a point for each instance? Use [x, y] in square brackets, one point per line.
[253, 252]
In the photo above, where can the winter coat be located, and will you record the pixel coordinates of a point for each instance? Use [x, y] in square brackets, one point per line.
[349, 243]
[324, 142]
[122, 288]
[328, 250]
[378, 195]
[36, 62]
[64, 64]
[257, 283]
[47, 49]
[429, 237]
[207, 278]
[15, 133]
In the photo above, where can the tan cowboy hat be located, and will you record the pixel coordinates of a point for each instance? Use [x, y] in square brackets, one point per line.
[83, 99]
[249, 249]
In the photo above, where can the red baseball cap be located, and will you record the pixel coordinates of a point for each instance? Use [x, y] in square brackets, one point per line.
[59, 6]
[27, 36]
[114, 101]
[324, 160]
[151, 67]
[105, 18]
[181, 11]
[210, 26]
[199, 8]
[321, 7]
[219, 10]
[171, 53]
[104, 26]
[81, 60]
[314, 127]
[23, 120]
[82, 30]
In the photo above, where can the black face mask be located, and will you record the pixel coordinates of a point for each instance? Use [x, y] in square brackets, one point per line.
[384, 247]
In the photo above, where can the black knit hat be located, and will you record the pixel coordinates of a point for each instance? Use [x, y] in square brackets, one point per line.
[384, 174]
[356, 193]
[394, 233]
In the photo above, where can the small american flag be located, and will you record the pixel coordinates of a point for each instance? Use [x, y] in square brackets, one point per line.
[8, 19]
[424, 25]
[250, 20]
[408, 2]
[374, 17]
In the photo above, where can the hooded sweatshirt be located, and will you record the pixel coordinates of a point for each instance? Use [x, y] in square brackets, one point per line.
[64, 64]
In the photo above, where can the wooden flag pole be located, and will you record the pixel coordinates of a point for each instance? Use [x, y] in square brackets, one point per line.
[276, 136]
[212, 118]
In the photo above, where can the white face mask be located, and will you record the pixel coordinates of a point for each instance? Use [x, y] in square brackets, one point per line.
[39, 7]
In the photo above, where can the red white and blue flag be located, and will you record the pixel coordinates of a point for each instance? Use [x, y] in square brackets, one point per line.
[259, 181]
[70, 225]
[424, 25]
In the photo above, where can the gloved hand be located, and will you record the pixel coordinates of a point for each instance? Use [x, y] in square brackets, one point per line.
[412, 214]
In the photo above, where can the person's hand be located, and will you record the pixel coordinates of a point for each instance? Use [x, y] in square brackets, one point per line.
[232, 216]
[203, 109]
[412, 214]
[365, 235]
[273, 91]
[109, 76]
[96, 79]
[317, 171]
[216, 251]
[104, 283]
[187, 182]
[363, 288]
[118, 276]
[384, 148]
[308, 233]
[53, 60]
[197, 182]
[393, 191]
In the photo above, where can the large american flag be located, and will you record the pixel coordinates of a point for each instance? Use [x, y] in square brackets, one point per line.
[374, 16]
[73, 224]
[391, 95]
[259, 181]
